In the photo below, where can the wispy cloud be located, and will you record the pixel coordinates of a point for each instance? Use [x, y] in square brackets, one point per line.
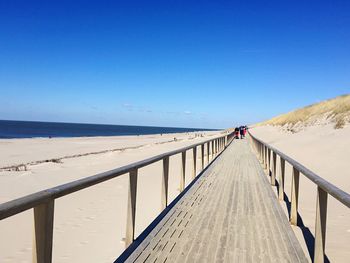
[252, 50]
[93, 108]
[187, 112]
[128, 106]
[131, 107]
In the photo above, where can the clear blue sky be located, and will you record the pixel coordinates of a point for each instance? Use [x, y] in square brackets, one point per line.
[211, 64]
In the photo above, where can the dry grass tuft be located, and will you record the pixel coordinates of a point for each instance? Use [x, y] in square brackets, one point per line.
[339, 123]
[336, 110]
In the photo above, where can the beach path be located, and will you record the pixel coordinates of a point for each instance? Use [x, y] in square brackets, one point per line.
[230, 214]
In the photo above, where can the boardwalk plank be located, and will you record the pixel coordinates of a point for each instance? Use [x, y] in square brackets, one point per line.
[230, 214]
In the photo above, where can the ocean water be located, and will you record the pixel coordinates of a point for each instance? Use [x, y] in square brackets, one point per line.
[32, 129]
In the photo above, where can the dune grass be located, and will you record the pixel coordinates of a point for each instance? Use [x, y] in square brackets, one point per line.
[336, 110]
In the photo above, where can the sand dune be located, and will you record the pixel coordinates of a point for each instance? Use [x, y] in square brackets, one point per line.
[334, 111]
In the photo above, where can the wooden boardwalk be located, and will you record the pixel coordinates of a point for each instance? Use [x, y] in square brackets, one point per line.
[230, 214]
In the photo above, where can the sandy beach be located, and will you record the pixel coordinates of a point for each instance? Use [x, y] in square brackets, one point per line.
[325, 151]
[89, 225]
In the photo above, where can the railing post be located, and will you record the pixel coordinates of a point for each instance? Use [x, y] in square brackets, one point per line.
[43, 232]
[194, 170]
[320, 228]
[281, 179]
[130, 221]
[202, 152]
[295, 196]
[273, 174]
[165, 183]
[268, 161]
[265, 148]
[257, 149]
[207, 153]
[212, 150]
[183, 171]
[261, 153]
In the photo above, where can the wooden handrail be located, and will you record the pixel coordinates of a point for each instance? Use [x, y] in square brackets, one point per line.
[29, 201]
[324, 188]
[331, 189]
[43, 201]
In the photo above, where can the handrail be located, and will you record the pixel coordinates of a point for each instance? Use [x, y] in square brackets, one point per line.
[43, 201]
[324, 188]
[331, 189]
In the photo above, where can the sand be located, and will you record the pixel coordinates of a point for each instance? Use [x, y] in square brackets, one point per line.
[326, 152]
[89, 225]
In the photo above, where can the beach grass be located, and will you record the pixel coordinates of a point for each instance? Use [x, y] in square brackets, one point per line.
[337, 110]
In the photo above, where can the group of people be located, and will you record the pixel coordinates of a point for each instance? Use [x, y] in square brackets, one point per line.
[240, 132]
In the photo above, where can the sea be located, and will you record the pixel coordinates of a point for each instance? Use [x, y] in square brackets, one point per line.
[34, 129]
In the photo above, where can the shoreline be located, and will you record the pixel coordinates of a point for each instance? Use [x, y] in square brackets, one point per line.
[72, 153]
[103, 136]
[11, 129]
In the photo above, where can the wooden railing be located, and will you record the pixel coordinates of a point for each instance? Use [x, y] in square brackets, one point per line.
[43, 202]
[324, 188]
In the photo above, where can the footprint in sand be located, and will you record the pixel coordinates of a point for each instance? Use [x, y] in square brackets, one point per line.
[89, 218]
[25, 249]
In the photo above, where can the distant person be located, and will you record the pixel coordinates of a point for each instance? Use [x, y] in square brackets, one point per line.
[241, 131]
[236, 133]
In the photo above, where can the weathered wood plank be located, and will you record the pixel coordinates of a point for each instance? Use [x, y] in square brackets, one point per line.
[165, 183]
[212, 150]
[202, 153]
[131, 212]
[281, 180]
[220, 218]
[320, 228]
[208, 147]
[183, 171]
[43, 232]
[194, 166]
[295, 197]
[274, 164]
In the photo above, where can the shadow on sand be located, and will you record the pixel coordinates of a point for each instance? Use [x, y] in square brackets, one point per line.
[308, 236]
